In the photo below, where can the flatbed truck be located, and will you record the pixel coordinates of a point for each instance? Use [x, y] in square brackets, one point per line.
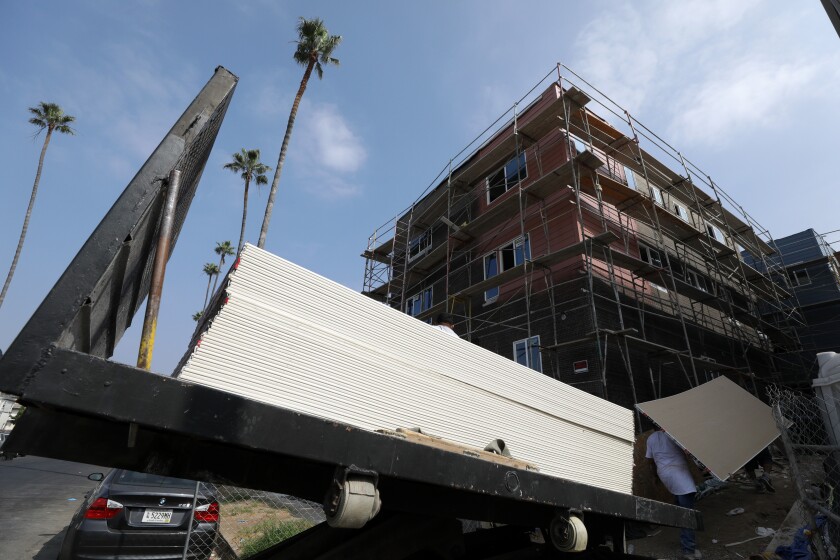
[82, 406]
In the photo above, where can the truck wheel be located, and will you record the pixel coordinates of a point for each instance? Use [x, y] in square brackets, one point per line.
[568, 533]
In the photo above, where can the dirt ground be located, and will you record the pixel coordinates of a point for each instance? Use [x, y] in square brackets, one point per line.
[767, 510]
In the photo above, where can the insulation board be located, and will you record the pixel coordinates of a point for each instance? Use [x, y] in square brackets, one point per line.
[291, 338]
[718, 422]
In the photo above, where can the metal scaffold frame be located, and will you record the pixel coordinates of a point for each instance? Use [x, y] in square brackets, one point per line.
[656, 252]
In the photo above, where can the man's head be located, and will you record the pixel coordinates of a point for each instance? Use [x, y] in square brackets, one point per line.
[446, 319]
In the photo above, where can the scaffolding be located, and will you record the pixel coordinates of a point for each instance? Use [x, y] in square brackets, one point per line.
[574, 239]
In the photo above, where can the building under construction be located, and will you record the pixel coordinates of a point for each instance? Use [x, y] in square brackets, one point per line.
[573, 239]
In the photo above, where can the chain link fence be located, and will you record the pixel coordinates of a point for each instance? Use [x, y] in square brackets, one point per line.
[809, 423]
[246, 522]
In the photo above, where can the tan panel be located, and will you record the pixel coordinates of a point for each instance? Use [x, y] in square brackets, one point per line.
[718, 422]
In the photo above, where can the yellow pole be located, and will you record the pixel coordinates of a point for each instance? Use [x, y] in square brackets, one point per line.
[147, 339]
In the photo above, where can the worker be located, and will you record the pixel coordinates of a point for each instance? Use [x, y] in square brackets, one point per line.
[446, 323]
[670, 467]
[765, 461]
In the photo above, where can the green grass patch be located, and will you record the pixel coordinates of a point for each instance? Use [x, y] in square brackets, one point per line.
[269, 532]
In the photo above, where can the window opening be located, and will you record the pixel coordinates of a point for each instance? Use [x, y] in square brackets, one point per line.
[650, 256]
[491, 269]
[680, 211]
[504, 258]
[419, 245]
[656, 194]
[799, 277]
[506, 178]
[697, 280]
[527, 353]
[714, 232]
[419, 303]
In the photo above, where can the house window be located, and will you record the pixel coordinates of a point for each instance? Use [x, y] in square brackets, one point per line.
[676, 267]
[419, 245]
[419, 303]
[714, 232]
[799, 277]
[491, 269]
[656, 194]
[650, 256]
[527, 353]
[697, 280]
[506, 178]
[629, 177]
[506, 257]
[680, 211]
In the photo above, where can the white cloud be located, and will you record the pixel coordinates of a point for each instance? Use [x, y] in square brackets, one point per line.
[325, 152]
[329, 140]
[330, 186]
[684, 24]
[752, 94]
[617, 56]
[700, 69]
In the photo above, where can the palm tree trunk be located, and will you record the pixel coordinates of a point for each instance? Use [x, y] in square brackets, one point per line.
[207, 293]
[244, 215]
[221, 263]
[269, 208]
[26, 218]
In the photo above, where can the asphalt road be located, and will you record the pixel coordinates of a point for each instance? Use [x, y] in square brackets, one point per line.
[37, 499]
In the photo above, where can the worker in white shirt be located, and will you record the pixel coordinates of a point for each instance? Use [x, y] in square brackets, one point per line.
[446, 323]
[670, 466]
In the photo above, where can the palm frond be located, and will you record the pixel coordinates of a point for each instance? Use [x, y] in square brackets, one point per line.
[51, 116]
[315, 43]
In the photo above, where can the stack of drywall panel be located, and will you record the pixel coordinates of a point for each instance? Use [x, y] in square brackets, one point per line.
[291, 338]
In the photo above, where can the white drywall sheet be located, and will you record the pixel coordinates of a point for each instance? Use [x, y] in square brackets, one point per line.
[289, 337]
[718, 422]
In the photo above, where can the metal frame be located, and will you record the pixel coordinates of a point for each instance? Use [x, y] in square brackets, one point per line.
[193, 431]
[94, 301]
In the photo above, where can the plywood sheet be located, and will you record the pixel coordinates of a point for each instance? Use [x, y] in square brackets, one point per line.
[720, 423]
[289, 337]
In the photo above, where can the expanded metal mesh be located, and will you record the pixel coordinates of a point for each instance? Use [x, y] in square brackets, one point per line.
[250, 521]
[810, 432]
[199, 142]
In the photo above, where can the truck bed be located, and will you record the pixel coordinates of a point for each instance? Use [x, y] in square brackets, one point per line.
[81, 406]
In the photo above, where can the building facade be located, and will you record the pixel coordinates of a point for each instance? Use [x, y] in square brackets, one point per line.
[564, 241]
[808, 268]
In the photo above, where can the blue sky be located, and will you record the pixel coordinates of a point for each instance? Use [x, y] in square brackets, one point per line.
[747, 90]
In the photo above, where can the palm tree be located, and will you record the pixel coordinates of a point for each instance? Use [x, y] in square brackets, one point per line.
[247, 162]
[211, 270]
[222, 249]
[197, 315]
[315, 46]
[49, 117]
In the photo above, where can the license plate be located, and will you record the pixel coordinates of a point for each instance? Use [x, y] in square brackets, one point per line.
[157, 516]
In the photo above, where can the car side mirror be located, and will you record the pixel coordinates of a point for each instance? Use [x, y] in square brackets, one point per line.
[96, 477]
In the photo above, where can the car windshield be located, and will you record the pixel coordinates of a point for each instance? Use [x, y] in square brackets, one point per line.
[146, 479]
